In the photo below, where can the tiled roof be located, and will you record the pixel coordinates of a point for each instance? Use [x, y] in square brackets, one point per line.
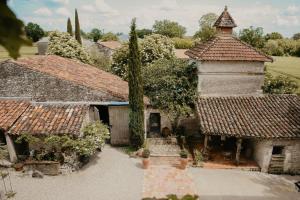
[111, 44]
[10, 111]
[225, 20]
[226, 48]
[180, 53]
[273, 116]
[46, 119]
[77, 73]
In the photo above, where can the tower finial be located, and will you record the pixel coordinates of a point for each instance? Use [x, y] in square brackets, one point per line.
[225, 9]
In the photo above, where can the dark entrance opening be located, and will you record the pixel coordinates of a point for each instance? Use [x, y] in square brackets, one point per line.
[155, 122]
[2, 138]
[104, 115]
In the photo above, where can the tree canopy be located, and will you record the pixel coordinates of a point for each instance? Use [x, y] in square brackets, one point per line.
[171, 85]
[253, 36]
[152, 47]
[273, 36]
[169, 28]
[110, 36]
[296, 36]
[279, 85]
[141, 33]
[64, 45]
[95, 34]
[34, 31]
[69, 27]
[77, 28]
[206, 29]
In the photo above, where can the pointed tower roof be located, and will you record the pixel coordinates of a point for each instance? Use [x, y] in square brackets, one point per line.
[225, 20]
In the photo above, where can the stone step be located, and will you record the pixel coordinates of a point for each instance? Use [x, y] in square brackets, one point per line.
[170, 161]
[163, 147]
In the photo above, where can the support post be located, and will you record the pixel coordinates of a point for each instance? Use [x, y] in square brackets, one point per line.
[238, 150]
[11, 149]
[205, 142]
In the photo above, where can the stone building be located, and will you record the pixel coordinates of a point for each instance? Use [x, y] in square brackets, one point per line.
[108, 47]
[233, 113]
[53, 79]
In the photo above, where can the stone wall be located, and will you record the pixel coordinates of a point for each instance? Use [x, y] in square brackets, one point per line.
[17, 81]
[263, 154]
[230, 78]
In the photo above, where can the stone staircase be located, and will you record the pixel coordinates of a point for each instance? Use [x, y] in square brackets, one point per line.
[276, 164]
[163, 151]
[163, 147]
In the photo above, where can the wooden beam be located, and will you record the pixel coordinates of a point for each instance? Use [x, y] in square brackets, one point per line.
[238, 150]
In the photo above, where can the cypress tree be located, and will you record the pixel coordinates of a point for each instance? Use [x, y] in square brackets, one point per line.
[77, 28]
[136, 104]
[69, 27]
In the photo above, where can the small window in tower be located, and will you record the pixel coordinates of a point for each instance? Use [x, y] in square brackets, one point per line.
[277, 150]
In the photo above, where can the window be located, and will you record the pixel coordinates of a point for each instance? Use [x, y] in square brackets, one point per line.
[277, 150]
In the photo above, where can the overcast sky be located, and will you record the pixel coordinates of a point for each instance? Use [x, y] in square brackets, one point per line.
[115, 15]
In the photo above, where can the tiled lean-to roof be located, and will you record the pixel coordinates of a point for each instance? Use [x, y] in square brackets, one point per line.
[113, 45]
[10, 111]
[47, 119]
[272, 116]
[226, 48]
[78, 73]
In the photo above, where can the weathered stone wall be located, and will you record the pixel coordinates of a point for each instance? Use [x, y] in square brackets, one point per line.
[16, 81]
[164, 120]
[227, 78]
[263, 154]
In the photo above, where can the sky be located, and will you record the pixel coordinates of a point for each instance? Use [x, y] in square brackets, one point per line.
[115, 15]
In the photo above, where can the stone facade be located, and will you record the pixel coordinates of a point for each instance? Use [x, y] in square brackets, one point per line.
[229, 78]
[16, 81]
[262, 153]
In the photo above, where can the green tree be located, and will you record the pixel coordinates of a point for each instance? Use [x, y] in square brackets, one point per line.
[296, 36]
[183, 43]
[77, 28]
[141, 33]
[206, 31]
[279, 85]
[69, 27]
[273, 36]
[109, 37]
[169, 28]
[12, 35]
[136, 103]
[152, 47]
[253, 36]
[34, 31]
[95, 34]
[171, 85]
[64, 45]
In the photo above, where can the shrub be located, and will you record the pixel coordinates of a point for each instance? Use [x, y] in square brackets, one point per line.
[279, 85]
[146, 153]
[64, 45]
[198, 156]
[183, 153]
[99, 59]
[183, 43]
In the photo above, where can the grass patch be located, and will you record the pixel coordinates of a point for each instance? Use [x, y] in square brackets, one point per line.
[288, 66]
[25, 51]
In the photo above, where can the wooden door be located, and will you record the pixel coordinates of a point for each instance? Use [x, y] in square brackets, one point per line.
[119, 120]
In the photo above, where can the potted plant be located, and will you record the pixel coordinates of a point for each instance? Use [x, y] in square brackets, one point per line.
[183, 159]
[146, 155]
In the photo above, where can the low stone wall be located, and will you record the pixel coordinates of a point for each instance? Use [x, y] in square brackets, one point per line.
[46, 167]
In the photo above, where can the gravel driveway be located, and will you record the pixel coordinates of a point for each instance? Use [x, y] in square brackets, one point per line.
[212, 184]
[110, 176]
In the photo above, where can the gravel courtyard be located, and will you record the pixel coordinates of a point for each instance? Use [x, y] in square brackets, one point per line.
[114, 176]
[111, 176]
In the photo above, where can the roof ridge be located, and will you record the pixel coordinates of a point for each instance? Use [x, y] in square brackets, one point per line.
[251, 47]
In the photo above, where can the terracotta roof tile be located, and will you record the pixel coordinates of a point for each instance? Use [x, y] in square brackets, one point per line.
[272, 116]
[47, 119]
[78, 73]
[226, 48]
[111, 44]
[10, 111]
